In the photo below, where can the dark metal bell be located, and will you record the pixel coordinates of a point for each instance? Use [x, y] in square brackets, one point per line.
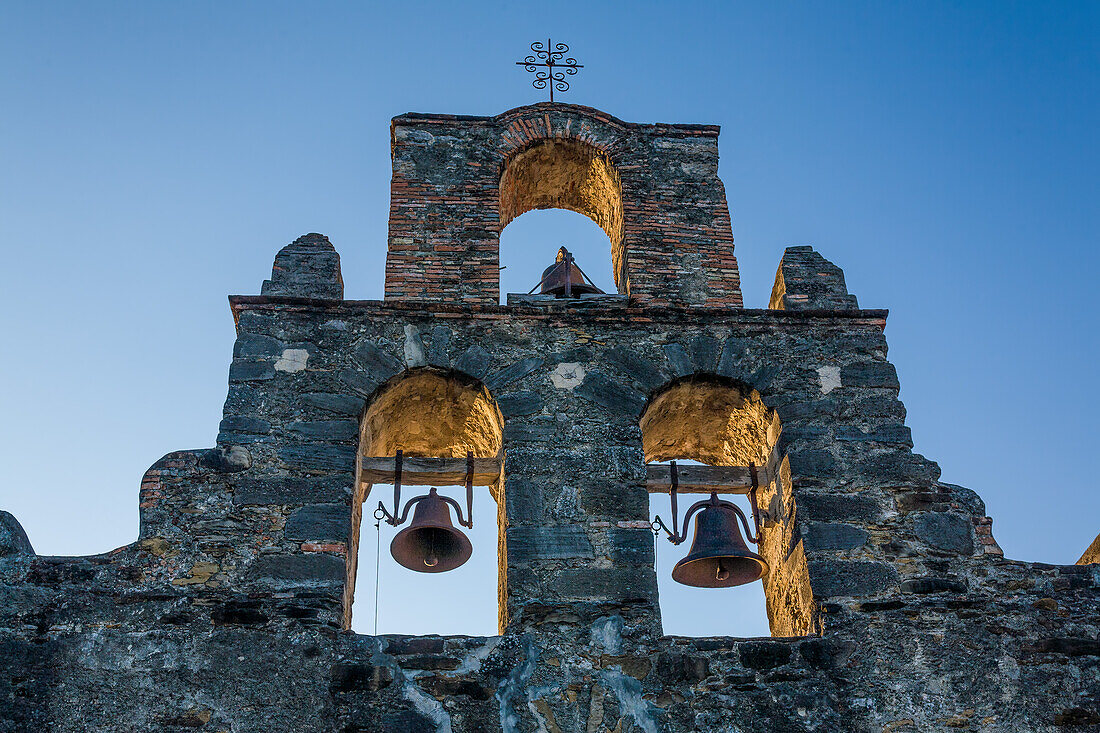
[719, 557]
[431, 544]
[564, 278]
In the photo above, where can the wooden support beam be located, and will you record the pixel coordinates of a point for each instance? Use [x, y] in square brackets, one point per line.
[428, 471]
[703, 479]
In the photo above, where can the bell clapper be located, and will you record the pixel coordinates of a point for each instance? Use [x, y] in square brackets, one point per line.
[430, 559]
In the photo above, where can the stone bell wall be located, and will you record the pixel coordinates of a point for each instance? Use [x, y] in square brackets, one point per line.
[668, 222]
[891, 605]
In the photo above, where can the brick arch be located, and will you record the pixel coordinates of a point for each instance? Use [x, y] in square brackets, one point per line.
[671, 233]
[566, 173]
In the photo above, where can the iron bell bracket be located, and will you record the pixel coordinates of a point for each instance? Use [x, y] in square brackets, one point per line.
[398, 516]
[676, 537]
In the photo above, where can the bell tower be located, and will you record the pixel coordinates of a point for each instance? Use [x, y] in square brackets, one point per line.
[890, 605]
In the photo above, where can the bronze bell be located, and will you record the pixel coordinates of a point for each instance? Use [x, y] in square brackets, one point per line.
[719, 557]
[431, 544]
[564, 279]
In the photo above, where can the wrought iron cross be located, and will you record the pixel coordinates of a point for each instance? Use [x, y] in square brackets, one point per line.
[551, 56]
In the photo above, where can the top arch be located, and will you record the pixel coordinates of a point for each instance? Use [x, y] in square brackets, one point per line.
[458, 180]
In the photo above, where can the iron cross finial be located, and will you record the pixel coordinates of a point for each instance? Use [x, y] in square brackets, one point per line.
[551, 56]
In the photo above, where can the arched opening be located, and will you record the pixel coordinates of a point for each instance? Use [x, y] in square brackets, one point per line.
[529, 245]
[712, 421]
[427, 414]
[562, 174]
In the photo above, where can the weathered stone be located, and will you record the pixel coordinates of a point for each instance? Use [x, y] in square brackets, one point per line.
[829, 536]
[869, 374]
[319, 522]
[474, 362]
[257, 345]
[342, 404]
[439, 350]
[402, 645]
[227, 458]
[678, 360]
[704, 353]
[379, 364]
[283, 490]
[308, 267]
[326, 429]
[923, 586]
[539, 429]
[680, 668]
[948, 532]
[318, 456]
[519, 403]
[636, 367]
[603, 390]
[296, 570]
[526, 544]
[631, 544]
[251, 370]
[244, 424]
[734, 353]
[358, 677]
[763, 655]
[13, 539]
[831, 578]
[512, 373]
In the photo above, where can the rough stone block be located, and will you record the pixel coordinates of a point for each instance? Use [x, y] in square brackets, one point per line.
[359, 677]
[678, 360]
[704, 353]
[832, 578]
[251, 370]
[924, 586]
[341, 404]
[512, 373]
[378, 363]
[631, 544]
[319, 522]
[873, 374]
[308, 267]
[761, 655]
[519, 403]
[296, 570]
[318, 456]
[474, 362]
[439, 350]
[244, 424]
[284, 490]
[947, 532]
[257, 345]
[638, 368]
[604, 391]
[829, 536]
[530, 544]
[13, 539]
[325, 429]
[734, 355]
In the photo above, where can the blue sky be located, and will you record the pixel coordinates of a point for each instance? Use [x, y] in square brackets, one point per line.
[155, 156]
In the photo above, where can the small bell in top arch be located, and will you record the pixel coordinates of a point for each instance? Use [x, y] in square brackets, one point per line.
[564, 279]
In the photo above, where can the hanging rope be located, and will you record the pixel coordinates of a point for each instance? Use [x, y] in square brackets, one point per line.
[377, 552]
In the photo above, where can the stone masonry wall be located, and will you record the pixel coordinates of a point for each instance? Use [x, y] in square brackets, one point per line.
[892, 608]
